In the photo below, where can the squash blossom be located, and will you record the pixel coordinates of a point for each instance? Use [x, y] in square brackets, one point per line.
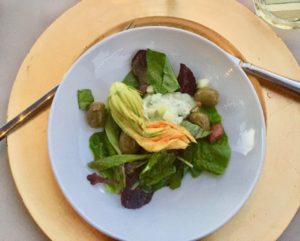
[126, 107]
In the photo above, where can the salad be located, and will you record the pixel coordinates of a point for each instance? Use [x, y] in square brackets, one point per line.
[154, 129]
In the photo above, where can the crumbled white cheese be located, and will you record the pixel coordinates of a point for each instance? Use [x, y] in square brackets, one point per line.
[202, 83]
[173, 107]
[150, 89]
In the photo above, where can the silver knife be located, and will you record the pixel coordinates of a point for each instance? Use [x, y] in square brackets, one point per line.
[288, 83]
[38, 105]
[34, 108]
[26, 114]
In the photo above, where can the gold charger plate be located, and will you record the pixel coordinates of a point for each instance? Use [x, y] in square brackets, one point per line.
[277, 194]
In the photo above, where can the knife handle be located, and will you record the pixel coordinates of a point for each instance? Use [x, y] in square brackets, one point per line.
[288, 83]
[27, 113]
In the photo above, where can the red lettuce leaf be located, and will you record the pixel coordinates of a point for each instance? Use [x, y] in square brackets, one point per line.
[139, 66]
[135, 198]
[186, 80]
[94, 179]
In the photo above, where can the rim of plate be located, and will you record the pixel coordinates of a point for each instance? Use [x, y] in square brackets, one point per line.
[217, 48]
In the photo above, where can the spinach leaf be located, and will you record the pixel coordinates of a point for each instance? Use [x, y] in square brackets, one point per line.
[212, 157]
[158, 170]
[112, 131]
[131, 80]
[116, 160]
[195, 172]
[189, 154]
[196, 131]
[170, 82]
[212, 113]
[175, 179]
[159, 72]
[84, 98]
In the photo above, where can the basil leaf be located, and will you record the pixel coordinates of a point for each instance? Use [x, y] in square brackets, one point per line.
[159, 73]
[84, 98]
[212, 157]
[196, 131]
[158, 170]
[116, 160]
[131, 80]
[212, 113]
[112, 131]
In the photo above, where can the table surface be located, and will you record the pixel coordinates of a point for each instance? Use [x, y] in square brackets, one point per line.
[21, 24]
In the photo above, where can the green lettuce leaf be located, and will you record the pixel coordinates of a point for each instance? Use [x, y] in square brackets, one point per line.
[98, 145]
[212, 157]
[116, 160]
[110, 149]
[131, 80]
[196, 131]
[113, 132]
[212, 113]
[101, 148]
[158, 170]
[160, 73]
[84, 98]
[117, 175]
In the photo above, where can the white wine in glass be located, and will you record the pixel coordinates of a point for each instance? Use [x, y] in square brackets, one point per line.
[279, 13]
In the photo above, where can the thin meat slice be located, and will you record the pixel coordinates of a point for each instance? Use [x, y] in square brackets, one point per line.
[216, 132]
[143, 88]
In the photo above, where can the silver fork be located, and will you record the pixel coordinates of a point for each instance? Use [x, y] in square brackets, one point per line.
[36, 107]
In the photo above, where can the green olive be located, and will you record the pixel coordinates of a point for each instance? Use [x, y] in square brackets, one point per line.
[200, 119]
[96, 115]
[127, 144]
[207, 96]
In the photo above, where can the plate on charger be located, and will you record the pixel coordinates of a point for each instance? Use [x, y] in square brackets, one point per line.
[201, 205]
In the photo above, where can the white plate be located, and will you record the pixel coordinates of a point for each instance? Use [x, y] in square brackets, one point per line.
[200, 205]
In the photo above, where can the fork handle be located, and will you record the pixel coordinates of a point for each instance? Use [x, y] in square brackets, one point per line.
[290, 84]
[27, 113]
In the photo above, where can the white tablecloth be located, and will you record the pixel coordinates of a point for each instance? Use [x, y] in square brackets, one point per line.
[21, 22]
